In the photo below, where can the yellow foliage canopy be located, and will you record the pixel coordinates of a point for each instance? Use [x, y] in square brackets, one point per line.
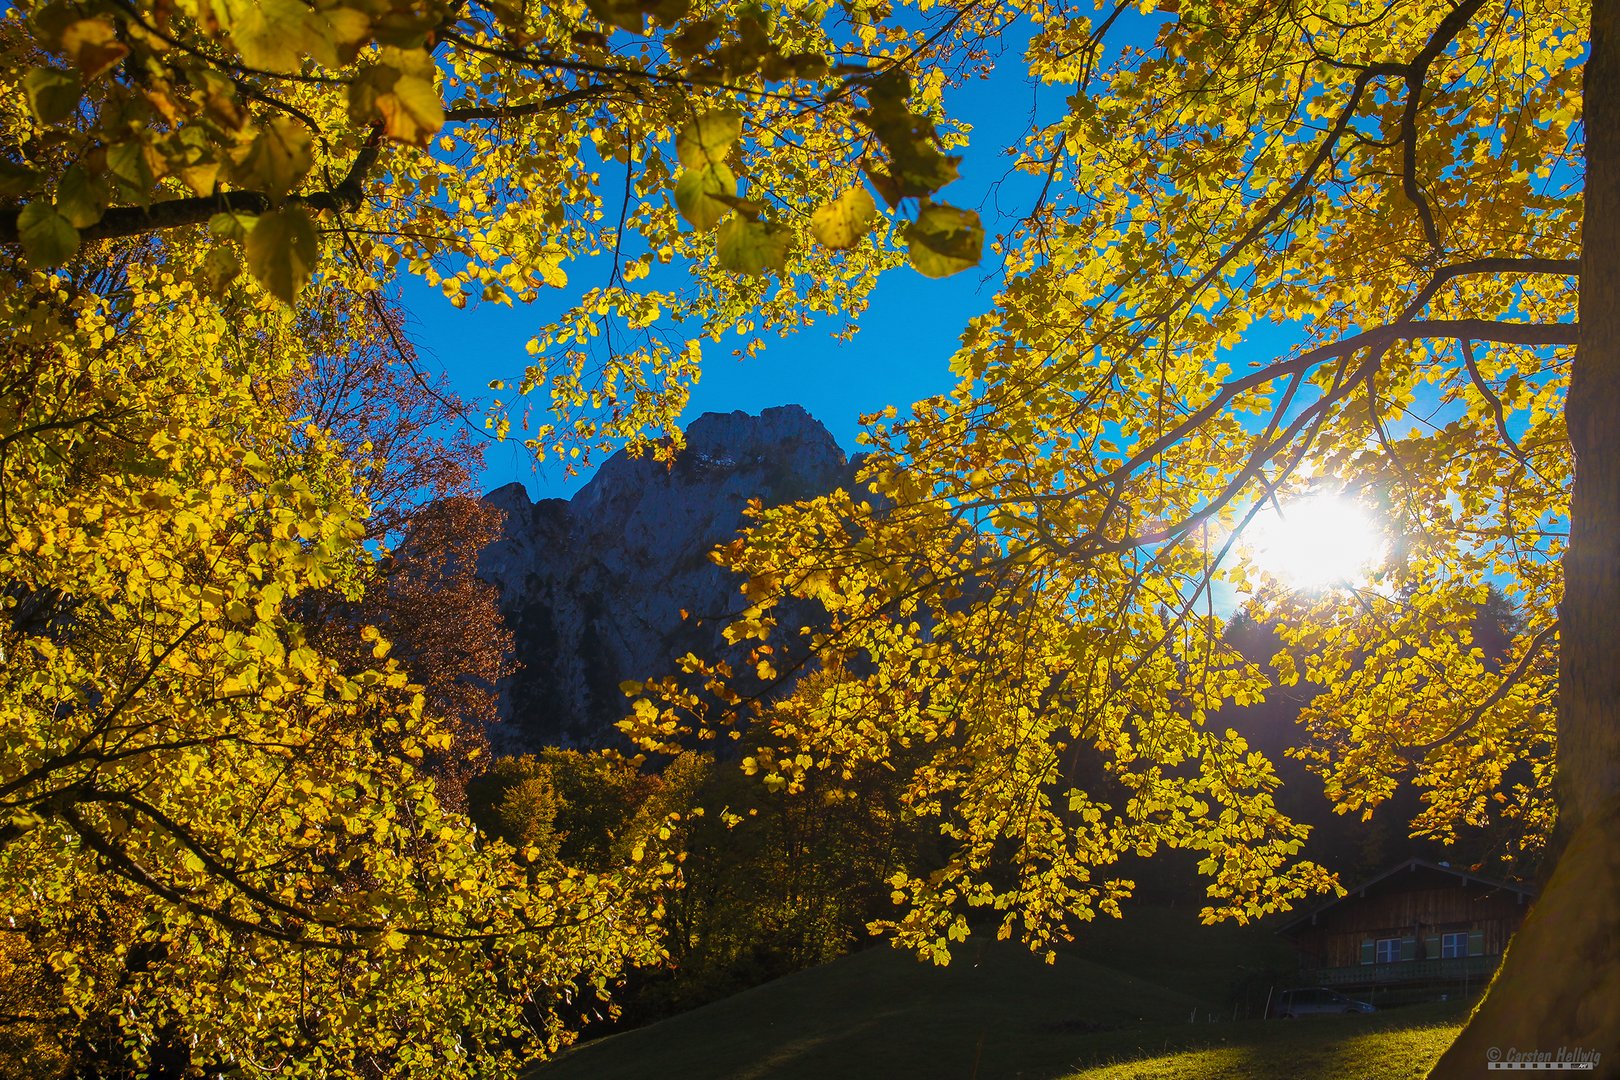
[1283, 252]
[1287, 248]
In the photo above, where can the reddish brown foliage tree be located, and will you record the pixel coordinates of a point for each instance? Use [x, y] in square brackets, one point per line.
[445, 624]
[418, 459]
[410, 435]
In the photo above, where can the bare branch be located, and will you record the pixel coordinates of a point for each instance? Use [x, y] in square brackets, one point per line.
[1535, 335]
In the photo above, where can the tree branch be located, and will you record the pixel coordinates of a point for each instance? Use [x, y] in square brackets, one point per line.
[127, 868]
[1377, 340]
[51, 425]
[66, 800]
[1416, 73]
[527, 108]
[103, 723]
[1490, 397]
[1508, 682]
[1491, 265]
[1506, 333]
[122, 221]
[1413, 73]
[540, 60]
[1302, 182]
[1532, 334]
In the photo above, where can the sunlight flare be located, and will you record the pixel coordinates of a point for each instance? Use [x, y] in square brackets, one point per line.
[1314, 542]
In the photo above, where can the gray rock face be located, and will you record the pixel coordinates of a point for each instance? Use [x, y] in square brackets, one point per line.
[593, 588]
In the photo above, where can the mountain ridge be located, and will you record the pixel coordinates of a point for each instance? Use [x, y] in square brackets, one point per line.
[595, 588]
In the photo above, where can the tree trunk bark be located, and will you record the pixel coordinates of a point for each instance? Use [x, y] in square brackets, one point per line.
[1559, 984]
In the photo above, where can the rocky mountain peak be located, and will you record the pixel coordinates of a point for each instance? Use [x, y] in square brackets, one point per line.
[593, 587]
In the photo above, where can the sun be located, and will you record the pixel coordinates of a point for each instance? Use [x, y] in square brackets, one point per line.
[1314, 542]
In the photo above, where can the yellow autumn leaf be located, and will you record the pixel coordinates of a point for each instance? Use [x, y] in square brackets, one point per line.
[282, 250]
[48, 238]
[706, 139]
[270, 34]
[278, 158]
[840, 223]
[399, 89]
[944, 240]
[93, 46]
[700, 193]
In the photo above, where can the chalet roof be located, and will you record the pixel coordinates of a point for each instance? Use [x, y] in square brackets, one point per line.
[1359, 891]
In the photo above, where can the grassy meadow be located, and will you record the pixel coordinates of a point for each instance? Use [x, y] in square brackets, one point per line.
[1119, 1006]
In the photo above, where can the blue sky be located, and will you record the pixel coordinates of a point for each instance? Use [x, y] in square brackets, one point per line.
[900, 355]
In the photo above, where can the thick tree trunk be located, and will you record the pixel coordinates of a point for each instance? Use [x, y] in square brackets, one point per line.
[1559, 985]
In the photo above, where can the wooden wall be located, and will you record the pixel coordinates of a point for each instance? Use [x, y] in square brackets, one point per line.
[1419, 904]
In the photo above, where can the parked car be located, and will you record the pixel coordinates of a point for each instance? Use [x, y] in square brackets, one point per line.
[1316, 1000]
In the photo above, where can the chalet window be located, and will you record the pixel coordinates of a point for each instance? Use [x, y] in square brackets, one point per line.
[1388, 950]
[1453, 946]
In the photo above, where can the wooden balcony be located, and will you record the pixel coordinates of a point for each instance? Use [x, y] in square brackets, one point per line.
[1403, 972]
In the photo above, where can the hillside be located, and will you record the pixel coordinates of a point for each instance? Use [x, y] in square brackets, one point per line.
[880, 1013]
[1117, 1006]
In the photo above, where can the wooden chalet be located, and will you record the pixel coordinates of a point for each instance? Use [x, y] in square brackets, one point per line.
[1421, 922]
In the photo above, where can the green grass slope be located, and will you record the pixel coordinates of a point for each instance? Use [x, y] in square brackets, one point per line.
[880, 1013]
[1399, 1043]
[1115, 1007]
